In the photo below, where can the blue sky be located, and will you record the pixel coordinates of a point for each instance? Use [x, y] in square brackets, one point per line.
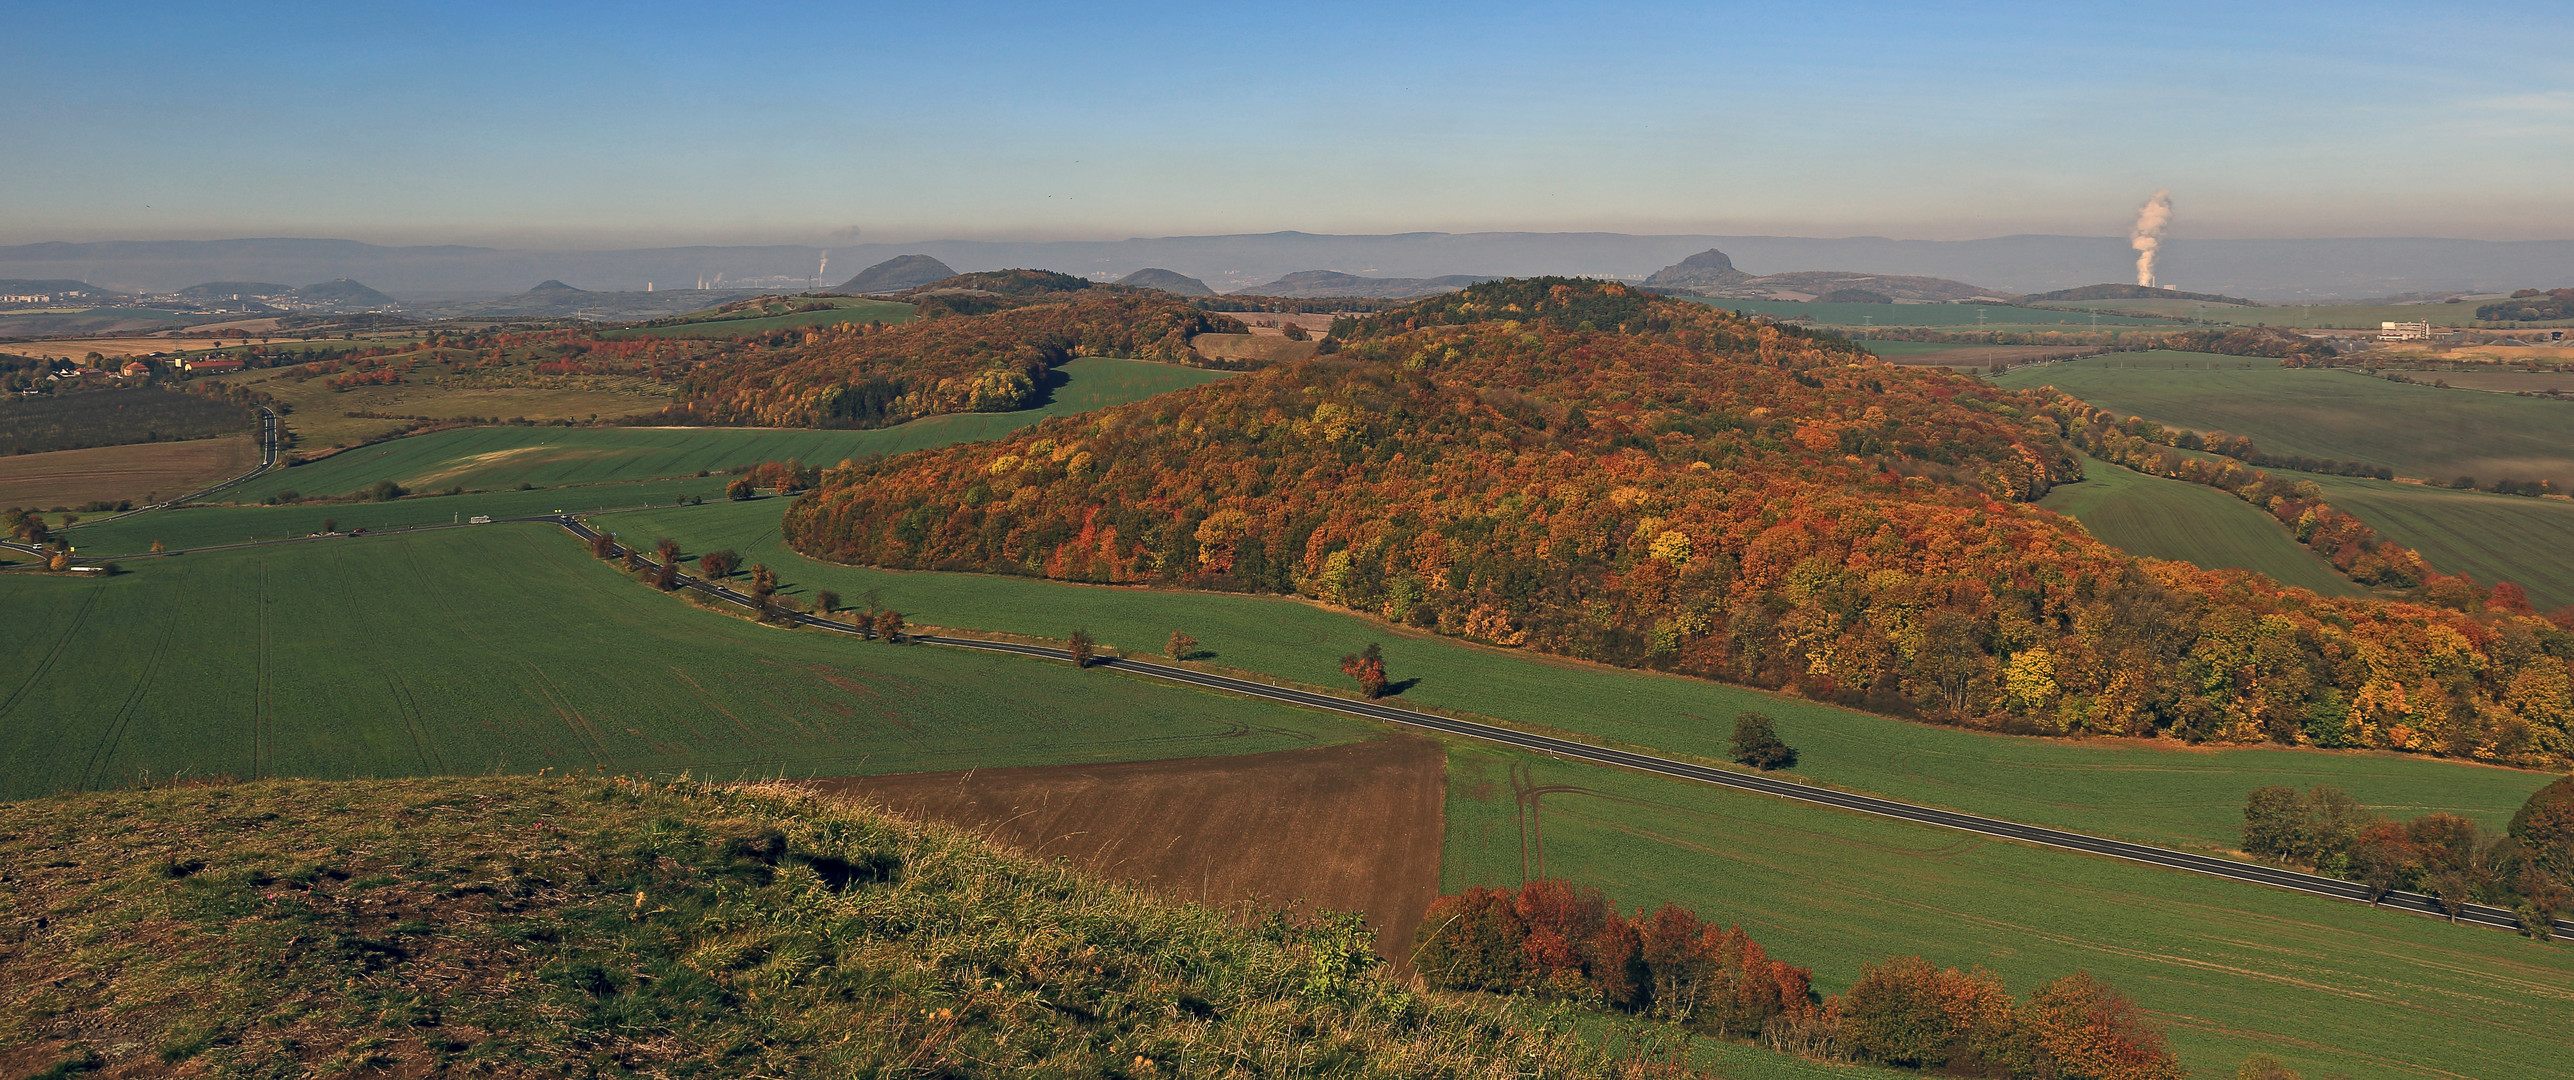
[728, 123]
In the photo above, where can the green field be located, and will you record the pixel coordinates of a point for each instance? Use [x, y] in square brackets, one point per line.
[712, 324]
[207, 526]
[2316, 316]
[1944, 316]
[553, 457]
[2149, 791]
[2331, 987]
[2169, 519]
[509, 649]
[2418, 431]
[2491, 537]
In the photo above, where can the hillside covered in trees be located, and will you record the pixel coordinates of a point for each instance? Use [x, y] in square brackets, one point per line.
[979, 350]
[1583, 469]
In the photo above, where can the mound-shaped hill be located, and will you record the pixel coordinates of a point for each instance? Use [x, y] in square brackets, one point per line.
[897, 274]
[550, 285]
[1316, 283]
[1588, 470]
[1005, 283]
[57, 287]
[344, 293]
[522, 927]
[1711, 273]
[1169, 281]
[226, 290]
[1709, 267]
[862, 375]
[2120, 291]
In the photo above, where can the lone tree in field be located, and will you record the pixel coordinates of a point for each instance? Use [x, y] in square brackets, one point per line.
[1756, 743]
[1182, 646]
[888, 625]
[719, 565]
[1368, 667]
[1080, 646]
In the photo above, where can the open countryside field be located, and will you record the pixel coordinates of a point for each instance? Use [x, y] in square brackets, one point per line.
[200, 527]
[2491, 537]
[2168, 519]
[509, 649]
[1978, 357]
[2418, 431]
[137, 471]
[551, 457]
[711, 324]
[318, 415]
[1353, 827]
[2331, 987]
[1943, 316]
[2317, 317]
[2148, 791]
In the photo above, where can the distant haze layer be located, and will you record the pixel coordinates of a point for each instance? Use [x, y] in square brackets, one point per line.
[2267, 270]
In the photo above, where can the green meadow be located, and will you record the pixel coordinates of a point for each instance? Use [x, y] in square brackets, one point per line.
[2149, 791]
[2305, 316]
[556, 457]
[2418, 431]
[847, 309]
[2329, 986]
[2169, 519]
[1945, 316]
[2490, 537]
[508, 649]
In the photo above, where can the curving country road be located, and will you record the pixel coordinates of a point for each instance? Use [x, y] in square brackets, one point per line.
[2478, 914]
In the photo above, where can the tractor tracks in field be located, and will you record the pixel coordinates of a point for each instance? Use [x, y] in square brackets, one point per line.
[93, 773]
[44, 667]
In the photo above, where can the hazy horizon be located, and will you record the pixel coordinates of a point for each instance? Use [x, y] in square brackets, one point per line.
[654, 126]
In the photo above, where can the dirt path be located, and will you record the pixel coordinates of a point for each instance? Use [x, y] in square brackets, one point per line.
[1354, 827]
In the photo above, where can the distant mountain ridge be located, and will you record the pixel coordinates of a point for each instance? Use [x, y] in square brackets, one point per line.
[2121, 291]
[1315, 283]
[1712, 273]
[2261, 269]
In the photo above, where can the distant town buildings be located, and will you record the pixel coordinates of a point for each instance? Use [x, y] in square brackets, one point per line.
[2404, 331]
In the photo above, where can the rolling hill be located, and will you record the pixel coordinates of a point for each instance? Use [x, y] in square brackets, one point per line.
[896, 274]
[1313, 283]
[1169, 281]
[1584, 469]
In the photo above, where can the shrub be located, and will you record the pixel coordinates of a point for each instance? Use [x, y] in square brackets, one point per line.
[1757, 743]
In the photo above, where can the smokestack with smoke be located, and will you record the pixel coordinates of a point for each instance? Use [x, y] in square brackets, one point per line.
[2147, 236]
[825, 269]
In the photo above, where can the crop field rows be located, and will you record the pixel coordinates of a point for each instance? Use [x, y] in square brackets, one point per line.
[507, 648]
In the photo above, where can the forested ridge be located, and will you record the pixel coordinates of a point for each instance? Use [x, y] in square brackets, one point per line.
[1583, 469]
[858, 375]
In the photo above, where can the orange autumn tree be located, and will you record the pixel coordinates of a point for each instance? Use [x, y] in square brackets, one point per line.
[1587, 470]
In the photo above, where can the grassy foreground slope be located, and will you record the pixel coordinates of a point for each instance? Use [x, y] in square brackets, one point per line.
[2155, 792]
[2418, 431]
[2492, 537]
[507, 648]
[2168, 519]
[2332, 987]
[520, 927]
[552, 457]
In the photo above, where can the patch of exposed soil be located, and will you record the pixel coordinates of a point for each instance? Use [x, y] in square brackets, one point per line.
[1348, 828]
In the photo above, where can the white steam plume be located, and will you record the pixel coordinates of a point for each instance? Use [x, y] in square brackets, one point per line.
[826, 265]
[2147, 236]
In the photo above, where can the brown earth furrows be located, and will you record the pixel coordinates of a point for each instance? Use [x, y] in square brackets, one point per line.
[168, 469]
[1355, 827]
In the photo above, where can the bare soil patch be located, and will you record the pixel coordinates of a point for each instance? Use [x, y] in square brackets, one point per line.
[132, 471]
[1344, 828]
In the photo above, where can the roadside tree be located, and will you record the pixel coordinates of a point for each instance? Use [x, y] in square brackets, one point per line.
[1757, 743]
[1367, 666]
[1081, 647]
[1182, 646]
[719, 565]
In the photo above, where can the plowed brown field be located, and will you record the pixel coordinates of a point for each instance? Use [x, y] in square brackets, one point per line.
[167, 469]
[1346, 828]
